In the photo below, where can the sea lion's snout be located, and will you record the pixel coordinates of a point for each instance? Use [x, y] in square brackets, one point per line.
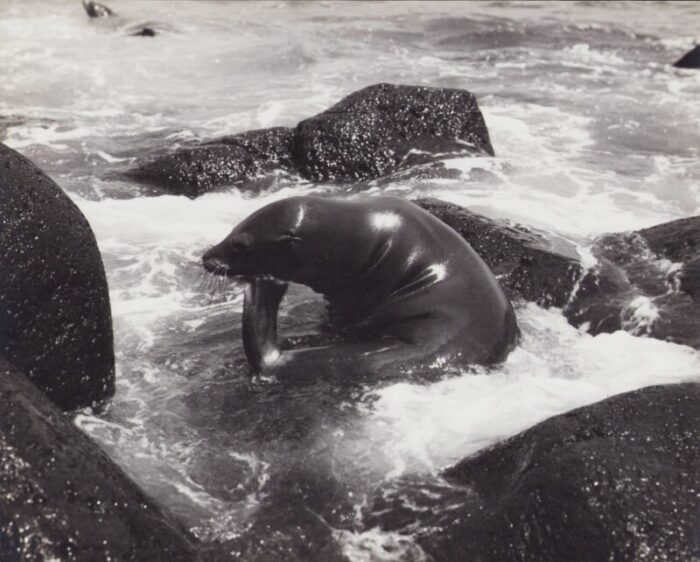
[214, 264]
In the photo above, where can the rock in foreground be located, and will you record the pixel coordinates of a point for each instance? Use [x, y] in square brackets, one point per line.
[617, 480]
[61, 498]
[55, 318]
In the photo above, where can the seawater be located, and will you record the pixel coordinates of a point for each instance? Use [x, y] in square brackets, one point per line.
[594, 132]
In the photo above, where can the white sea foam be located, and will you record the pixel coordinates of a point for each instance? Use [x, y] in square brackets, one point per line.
[555, 369]
[379, 546]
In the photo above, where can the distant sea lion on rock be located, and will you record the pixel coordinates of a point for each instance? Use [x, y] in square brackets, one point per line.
[96, 10]
[403, 288]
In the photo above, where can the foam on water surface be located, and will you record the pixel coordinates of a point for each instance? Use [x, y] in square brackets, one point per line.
[594, 132]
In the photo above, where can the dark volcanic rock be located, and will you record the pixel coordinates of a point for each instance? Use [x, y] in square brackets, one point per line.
[690, 278]
[527, 263]
[372, 131]
[96, 10]
[677, 241]
[61, 498]
[645, 282]
[648, 284]
[617, 480]
[285, 533]
[690, 60]
[196, 170]
[55, 319]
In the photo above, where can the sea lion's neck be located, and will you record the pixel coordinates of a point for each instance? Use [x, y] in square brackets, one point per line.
[361, 260]
[362, 282]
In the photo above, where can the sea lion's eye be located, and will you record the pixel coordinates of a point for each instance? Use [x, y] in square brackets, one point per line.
[288, 236]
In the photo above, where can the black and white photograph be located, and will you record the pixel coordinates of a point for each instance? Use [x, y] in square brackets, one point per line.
[349, 281]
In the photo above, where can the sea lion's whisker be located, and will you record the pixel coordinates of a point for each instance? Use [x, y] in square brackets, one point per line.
[201, 280]
[220, 286]
[211, 290]
[209, 285]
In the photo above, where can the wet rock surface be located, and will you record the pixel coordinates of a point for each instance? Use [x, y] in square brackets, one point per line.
[193, 171]
[528, 264]
[375, 130]
[62, 498]
[55, 319]
[678, 241]
[690, 60]
[647, 283]
[616, 480]
[370, 133]
[283, 532]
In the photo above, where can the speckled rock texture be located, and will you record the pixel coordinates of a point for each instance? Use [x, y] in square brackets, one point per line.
[55, 319]
[62, 498]
[528, 264]
[368, 134]
[646, 282]
[678, 241]
[690, 60]
[373, 131]
[655, 269]
[617, 480]
[193, 171]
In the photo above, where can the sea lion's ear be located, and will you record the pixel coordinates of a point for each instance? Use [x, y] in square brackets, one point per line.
[241, 241]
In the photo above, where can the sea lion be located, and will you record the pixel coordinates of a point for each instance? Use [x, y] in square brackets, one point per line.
[96, 10]
[403, 288]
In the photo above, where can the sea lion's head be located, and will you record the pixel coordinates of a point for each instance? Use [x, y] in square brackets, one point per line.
[277, 240]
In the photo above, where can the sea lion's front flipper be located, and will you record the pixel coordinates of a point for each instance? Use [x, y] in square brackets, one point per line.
[262, 300]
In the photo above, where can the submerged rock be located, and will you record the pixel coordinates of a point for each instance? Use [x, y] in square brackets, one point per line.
[375, 130]
[370, 133]
[527, 263]
[62, 498]
[144, 32]
[194, 171]
[648, 284]
[285, 533]
[55, 318]
[616, 480]
[690, 60]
